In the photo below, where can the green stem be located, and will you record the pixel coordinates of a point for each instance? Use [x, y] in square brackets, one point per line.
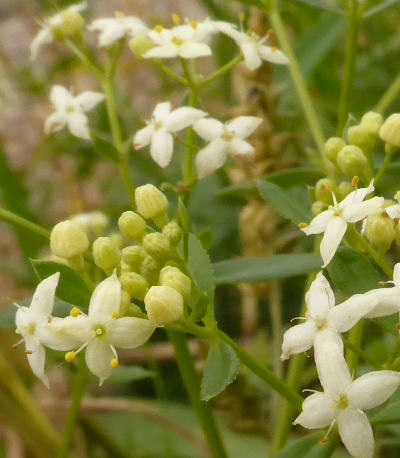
[226, 68]
[388, 96]
[383, 167]
[170, 72]
[84, 58]
[393, 355]
[362, 354]
[15, 220]
[190, 379]
[73, 413]
[350, 64]
[355, 341]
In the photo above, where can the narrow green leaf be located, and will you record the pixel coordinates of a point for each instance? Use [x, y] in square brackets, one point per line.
[291, 203]
[105, 148]
[300, 447]
[252, 270]
[200, 267]
[222, 365]
[321, 5]
[127, 374]
[352, 273]
[388, 415]
[381, 7]
[71, 288]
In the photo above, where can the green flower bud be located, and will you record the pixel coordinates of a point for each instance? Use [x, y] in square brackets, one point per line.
[323, 190]
[68, 240]
[157, 245]
[318, 207]
[358, 136]
[116, 239]
[390, 130]
[163, 305]
[133, 256]
[352, 161]
[132, 225]
[140, 44]
[332, 147]
[93, 223]
[397, 230]
[150, 201]
[106, 254]
[371, 122]
[70, 25]
[344, 188]
[134, 284]
[150, 269]
[173, 277]
[124, 303]
[173, 231]
[380, 231]
[135, 311]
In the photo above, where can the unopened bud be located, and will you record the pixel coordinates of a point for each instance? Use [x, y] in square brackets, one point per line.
[173, 231]
[116, 239]
[318, 207]
[344, 189]
[332, 147]
[132, 225]
[150, 269]
[68, 240]
[390, 130]
[124, 303]
[380, 231]
[352, 161]
[157, 245]
[106, 254]
[175, 278]
[134, 284]
[92, 223]
[163, 305]
[133, 256]
[371, 122]
[140, 44]
[150, 201]
[323, 190]
[358, 136]
[69, 25]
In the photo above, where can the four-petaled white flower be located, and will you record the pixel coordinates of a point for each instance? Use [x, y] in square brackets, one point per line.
[101, 331]
[113, 29]
[69, 111]
[225, 139]
[333, 222]
[158, 132]
[344, 400]
[45, 34]
[253, 47]
[322, 314]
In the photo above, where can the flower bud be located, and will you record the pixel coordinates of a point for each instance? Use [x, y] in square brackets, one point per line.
[175, 278]
[390, 130]
[124, 303]
[173, 231]
[93, 223]
[106, 254]
[140, 44]
[150, 201]
[318, 207]
[68, 240]
[344, 189]
[358, 136]
[332, 147]
[371, 122]
[70, 24]
[134, 284]
[116, 238]
[323, 190]
[133, 256]
[157, 245]
[352, 161]
[132, 225]
[163, 305]
[380, 231]
[150, 269]
[397, 230]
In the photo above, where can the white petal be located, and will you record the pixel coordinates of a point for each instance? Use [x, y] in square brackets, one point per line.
[65, 334]
[298, 338]
[22, 317]
[230, 30]
[162, 147]
[143, 137]
[396, 274]
[135, 26]
[332, 369]
[129, 332]
[112, 33]
[333, 235]
[182, 117]
[373, 389]
[77, 7]
[192, 50]
[100, 24]
[60, 97]
[388, 302]
[317, 412]
[393, 211]
[37, 359]
[161, 111]
[43, 298]
[239, 147]
[98, 358]
[319, 298]
[89, 99]
[243, 126]
[212, 157]
[356, 433]
[161, 52]
[78, 125]
[105, 300]
[273, 55]
[356, 212]
[319, 223]
[357, 196]
[251, 55]
[345, 315]
[43, 37]
[208, 128]
[55, 122]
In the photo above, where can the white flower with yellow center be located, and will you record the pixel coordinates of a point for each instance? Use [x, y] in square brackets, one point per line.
[322, 314]
[225, 139]
[70, 111]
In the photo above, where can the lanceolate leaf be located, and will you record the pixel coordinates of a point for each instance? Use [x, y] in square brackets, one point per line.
[105, 148]
[321, 5]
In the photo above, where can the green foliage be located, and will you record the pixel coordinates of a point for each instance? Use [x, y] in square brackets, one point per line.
[105, 148]
[127, 374]
[321, 5]
[304, 447]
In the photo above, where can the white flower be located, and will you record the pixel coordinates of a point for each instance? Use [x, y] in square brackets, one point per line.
[69, 111]
[101, 331]
[159, 129]
[113, 29]
[186, 41]
[92, 223]
[45, 34]
[225, 139]
[253, 47]
[344, 400]
[322, 314]
[333, 222]
[394, 210]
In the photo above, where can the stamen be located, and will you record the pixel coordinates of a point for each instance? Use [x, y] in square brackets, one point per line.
[114, 363]
[115, 314]
[193, 24]
[274, 49]
[74, 312]
[70, 356]
[158, 28]
[18, 343]
[298, 318]
[302, 225]
[176, 19]
[354, 181]
[28, 352]
[14, 303]
[242, 16]
[383, 283]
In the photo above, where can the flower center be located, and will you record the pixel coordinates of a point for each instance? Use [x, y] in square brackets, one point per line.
[99, 331]
[341, 401]
[31, 328]
[176, 41]
[70, 109]
[320, 322]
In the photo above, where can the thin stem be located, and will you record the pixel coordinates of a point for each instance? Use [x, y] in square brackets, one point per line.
[383, 167]
[192, 385]
[170, 72]
[362, 354]
[19, 221]
[84, 58]
[388, 96]
[224, 69]
[355, 341]
[389, 363]
[350, 64]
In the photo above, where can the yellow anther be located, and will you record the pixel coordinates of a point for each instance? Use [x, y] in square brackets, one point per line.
[302, 225]
[176, 19]
[176, 41]
[158, 28]
[115, 314]
[114, 363]
[74, 312]
[354, 181]
[242, 16]
[70, 356]
[273, 49]
[270, 32]
[193, 24]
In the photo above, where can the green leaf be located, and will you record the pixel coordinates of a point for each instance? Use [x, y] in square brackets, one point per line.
[71, 288]
[381, 7]
[291, 203]
[352, 273]
[200, 267]
[222, 365]
[206, 238]
[126, 374]
[321, 5]
[105, 148]
[388, 415]
[252, 270]
[300, 447]
[258, 3]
